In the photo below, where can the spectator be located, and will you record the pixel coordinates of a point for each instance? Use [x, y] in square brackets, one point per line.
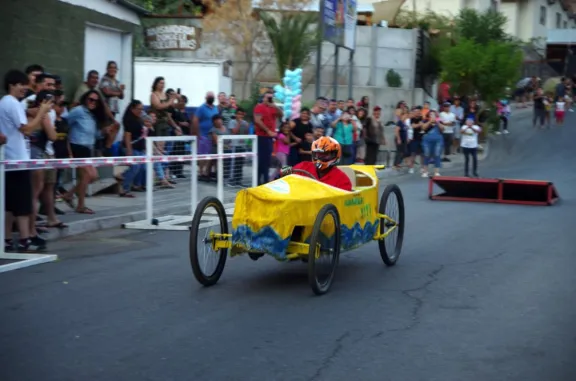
[344, 134]
[425, 110]
[560, 111]
[232, 103]
[415, 145]
[432, 143]
[238, 126]
[224, 109]
[332, 114]
[112, 92]
[458, 111]
[341, 106]
[300, 127]
[305, 149]
[182, 120]
[32, 72]
[108, 125]
[134, 143]
[266, 116]
[61, 145]
[350, 102]
[400, 138]
[318, 116]
[43, 180]
[472, 111]
[503, 110]
[83, 121]
[364, 102]
[539, 109]
[448, 121]
[469, 145]
[162, 103]
[219, 129]
[374, 136]
[14, 126]
[357, 130]
[361, 115]
[202, 123]
[162, 178]
[284, 143]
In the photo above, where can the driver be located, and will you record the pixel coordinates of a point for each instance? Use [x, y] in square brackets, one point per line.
[326, 154]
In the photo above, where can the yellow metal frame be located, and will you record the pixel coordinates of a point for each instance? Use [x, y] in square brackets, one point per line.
[295, 250]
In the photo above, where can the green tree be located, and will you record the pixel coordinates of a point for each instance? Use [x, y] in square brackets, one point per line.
[481, 27]
[293, 37]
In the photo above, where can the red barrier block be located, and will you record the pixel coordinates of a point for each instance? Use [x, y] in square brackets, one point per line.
[528, 192]
[522, 192]
[465, 189]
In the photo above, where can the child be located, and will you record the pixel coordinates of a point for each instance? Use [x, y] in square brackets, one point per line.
[560, 111]
[306, 147]
[284, 144]
[504, 113]
[469, 145]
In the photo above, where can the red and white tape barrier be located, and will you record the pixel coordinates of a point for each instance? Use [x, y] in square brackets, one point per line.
[15, 165]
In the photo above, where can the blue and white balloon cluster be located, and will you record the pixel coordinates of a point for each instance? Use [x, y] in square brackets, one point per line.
[291, 93]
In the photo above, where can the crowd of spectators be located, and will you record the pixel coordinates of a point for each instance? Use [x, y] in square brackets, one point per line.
[37, 121]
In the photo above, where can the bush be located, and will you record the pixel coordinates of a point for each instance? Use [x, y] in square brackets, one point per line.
[393, 79]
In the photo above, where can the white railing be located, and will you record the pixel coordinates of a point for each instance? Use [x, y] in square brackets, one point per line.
[222, 155]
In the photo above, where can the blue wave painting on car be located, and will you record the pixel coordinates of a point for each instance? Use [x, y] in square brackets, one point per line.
[268, 241]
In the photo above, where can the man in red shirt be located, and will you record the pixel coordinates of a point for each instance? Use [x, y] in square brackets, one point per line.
[326, 153]
[265, 120]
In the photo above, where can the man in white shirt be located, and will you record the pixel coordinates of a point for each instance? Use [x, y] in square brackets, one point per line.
[469, 144]
[448, 120]
[15, 126]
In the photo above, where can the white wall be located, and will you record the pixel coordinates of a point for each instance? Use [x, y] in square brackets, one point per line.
[524, 18]
[193, 78]
[108, 8]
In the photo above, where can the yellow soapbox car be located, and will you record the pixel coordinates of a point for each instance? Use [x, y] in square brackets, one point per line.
[299, 218]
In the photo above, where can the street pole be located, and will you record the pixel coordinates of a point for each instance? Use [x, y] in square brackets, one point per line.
[335, 83]
[319, 48]
[351, 74]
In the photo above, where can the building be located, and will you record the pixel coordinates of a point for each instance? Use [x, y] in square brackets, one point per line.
[69, 37]
[447, 7]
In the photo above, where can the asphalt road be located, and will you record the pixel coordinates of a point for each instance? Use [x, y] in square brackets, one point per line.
[481, 292]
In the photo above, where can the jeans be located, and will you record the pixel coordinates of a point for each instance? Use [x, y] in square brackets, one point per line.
[294, 157]
[168, 148]
[159, 170]
[176, 168]
[432, 146]
[264, 159]
[371, 154]
[467, 153]
[136, 174]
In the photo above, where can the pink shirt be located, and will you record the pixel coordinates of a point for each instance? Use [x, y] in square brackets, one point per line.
[283, 147]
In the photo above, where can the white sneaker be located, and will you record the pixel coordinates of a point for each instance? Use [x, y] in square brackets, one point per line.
[506, 132]
[437, 174]
[498, 133]
[411, 170]
[424, 174]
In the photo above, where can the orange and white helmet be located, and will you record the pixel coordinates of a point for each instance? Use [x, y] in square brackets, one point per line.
[326, 152]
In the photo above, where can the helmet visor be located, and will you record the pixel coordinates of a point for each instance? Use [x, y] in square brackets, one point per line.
[324, 156]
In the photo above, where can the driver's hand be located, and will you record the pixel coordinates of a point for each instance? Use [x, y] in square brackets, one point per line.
[285, 171]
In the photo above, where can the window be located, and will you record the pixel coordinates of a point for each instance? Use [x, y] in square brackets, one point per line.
[558, 20]
[543, 15]
[565, 24]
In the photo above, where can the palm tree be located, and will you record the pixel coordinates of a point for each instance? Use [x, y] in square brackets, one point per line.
[293, 36]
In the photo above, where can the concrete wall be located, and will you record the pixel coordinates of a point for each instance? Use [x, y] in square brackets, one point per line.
[50, 33]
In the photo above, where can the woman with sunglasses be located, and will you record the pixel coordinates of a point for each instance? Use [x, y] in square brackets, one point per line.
[83, 122]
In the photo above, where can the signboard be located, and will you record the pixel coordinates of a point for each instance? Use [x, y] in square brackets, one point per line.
[173, 37]
[339, 18]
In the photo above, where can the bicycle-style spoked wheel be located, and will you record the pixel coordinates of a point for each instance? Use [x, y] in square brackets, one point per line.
[209, 218]
[324, 249]
[392, 206]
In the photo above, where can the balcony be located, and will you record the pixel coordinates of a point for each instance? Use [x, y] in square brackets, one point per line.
[561, 37]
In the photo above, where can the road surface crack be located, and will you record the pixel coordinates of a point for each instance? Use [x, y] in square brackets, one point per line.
[336, 349]
[418, 302]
